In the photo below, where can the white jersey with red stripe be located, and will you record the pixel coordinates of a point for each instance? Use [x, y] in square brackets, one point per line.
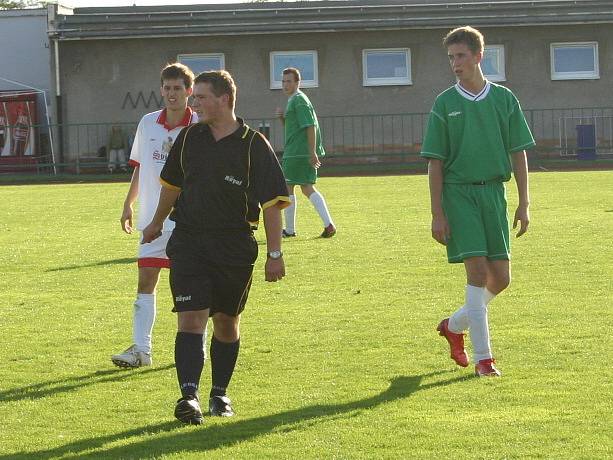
[150, 149]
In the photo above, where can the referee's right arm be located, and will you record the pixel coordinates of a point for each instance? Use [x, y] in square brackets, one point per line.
[171, 179]
[168, 197]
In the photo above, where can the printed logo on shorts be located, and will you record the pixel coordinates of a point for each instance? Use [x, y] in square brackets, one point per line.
[183, 298]
[233, 181]
[454, 114]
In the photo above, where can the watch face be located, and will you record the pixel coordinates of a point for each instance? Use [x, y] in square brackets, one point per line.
[274, 254]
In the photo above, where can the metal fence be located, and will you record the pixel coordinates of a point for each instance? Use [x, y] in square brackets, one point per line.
[349, 140]
[555, 130]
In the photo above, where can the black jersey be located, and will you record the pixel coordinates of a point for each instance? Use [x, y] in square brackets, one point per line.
[224, 183]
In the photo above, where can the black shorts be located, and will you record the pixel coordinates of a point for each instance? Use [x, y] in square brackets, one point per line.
[200, 280]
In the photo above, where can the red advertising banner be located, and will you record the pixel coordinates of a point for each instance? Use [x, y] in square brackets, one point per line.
[17, 124]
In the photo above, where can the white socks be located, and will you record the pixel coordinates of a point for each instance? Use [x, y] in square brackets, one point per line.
[458, 322]
[320, 206]
[290, 215]
[478, 328]
[319, 203]
[142, 323]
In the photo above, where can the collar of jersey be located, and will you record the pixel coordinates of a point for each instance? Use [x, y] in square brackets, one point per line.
[241, 131]
[473, 97]
[295, 94]
[185, 121]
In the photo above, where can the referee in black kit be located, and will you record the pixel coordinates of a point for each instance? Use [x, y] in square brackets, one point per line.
[218, 174]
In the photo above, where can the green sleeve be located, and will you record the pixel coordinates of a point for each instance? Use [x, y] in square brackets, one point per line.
[436, 141]
[520, 137]
[304, 114]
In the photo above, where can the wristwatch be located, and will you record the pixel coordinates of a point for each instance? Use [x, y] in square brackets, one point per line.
[275, 255]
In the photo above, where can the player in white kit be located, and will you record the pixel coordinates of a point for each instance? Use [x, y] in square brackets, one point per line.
[155, 135]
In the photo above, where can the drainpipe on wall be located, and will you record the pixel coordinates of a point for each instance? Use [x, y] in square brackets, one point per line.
[58, 100]
[53, 10]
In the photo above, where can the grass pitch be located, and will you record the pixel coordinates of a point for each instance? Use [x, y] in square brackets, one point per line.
[339, 360]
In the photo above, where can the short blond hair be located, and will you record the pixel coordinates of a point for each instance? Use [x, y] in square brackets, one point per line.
[467, 35]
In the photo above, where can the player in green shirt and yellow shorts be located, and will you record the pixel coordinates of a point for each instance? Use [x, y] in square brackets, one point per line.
[476, 137]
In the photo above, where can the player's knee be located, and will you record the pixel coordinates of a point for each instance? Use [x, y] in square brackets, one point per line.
[190, 322]
[226, 328]
[502, 281]
[476, 277]
[146, 286]
[147, 280]
[307, 190]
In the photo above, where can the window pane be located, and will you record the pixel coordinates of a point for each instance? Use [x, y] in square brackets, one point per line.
[200, 64]
[489, 63]
[302, 62]
[574, 59]
[386, 65]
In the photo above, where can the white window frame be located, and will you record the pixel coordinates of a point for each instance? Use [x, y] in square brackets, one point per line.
[275, 80]
[589, 75]
[220, 56]
[387, 81]
[500, 63]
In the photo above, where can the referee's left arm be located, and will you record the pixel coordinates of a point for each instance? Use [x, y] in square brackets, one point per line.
[271, 192]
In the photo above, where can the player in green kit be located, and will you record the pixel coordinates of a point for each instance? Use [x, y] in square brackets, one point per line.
[476, 137]
[303, 149]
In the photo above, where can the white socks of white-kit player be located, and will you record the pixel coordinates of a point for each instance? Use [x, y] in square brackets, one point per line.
[142, 324]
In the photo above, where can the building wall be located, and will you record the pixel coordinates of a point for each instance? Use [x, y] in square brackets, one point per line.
[108, 81]
[24, 53]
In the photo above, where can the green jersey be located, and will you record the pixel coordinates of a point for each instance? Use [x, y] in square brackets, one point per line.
[474, 134]
[299, 114]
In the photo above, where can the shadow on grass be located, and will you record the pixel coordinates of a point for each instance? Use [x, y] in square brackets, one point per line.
[43, 389]
[222, 435]
[126, 260]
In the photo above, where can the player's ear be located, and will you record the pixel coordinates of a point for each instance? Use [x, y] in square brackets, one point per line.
[190, 91]
[479, 56]
[226, 99]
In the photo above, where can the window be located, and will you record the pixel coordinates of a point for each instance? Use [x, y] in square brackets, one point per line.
[390, 66]
[305, 61]
[202, 62]
[492, 63]
[574, 61]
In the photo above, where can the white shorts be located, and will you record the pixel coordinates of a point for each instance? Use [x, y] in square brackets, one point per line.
[154, 254]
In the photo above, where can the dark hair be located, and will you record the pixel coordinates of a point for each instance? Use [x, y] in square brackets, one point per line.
[467, 35]
[177, 71]
[292, 71]
[221, 83]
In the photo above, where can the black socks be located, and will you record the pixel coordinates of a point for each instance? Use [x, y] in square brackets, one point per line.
[223, 361]
[189, 360]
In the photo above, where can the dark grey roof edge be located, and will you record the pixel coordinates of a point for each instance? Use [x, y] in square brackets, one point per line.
[25, 12]
[183, 33]
[277, 5]
[322, 16]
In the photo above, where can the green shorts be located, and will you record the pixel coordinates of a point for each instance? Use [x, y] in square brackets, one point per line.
[478, 221]
[298, 171]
